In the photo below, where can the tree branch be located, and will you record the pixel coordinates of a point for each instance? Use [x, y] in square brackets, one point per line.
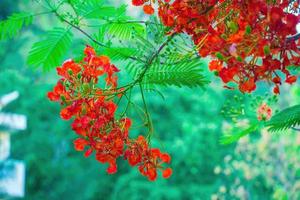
[293, 38]
[295, 129]
[90, 37]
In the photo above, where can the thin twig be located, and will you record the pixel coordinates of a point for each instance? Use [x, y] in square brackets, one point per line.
[90, 37]
[295, 129]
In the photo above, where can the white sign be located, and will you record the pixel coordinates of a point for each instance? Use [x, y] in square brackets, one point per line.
[4, 146]
[13, 121]
[12, 178]
[6, 99]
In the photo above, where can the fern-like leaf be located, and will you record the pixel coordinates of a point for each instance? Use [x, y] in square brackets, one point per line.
[49, 52]
[10, 27]
[120, 53]
[285, 119]
[124, 30]
[186, 73]
[95, 9]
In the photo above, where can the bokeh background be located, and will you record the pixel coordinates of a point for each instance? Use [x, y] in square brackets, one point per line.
[188, 125]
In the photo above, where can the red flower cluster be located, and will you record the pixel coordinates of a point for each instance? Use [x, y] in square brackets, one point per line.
[148, 9]
[250, 40]
[264, 112]
[95, 122]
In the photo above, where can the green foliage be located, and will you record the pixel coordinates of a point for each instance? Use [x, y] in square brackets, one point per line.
[186, 73]
[228, 139]
[49, 52]
[124, 30]
[95, 9]
[120, 53]
[144, 45]
[10, 27]
[285, 119]
[115, 20]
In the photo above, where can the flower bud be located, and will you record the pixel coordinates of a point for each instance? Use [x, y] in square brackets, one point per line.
[219, 56]
[267, 50]
[248, 29]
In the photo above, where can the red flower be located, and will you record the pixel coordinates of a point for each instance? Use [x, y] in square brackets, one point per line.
[276, 89]
[65, 113]
[167, 173]
[89, 53]
[264, 112]
[68, 69]
[53, 96]
[88, 152]
[148, 9]
[100, 60]
[127, 123]
[58, 91]
[165, 158]
[112, 168]
[137, 2]
[277, 80]
[151, 174]
[80, 143]
[256, 31]
[291, 79]
[248, 86]
[227, 74]
[215, 65]
[94, 112]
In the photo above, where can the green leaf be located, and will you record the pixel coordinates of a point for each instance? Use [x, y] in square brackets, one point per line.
[49, 52]
[95, 9]
[10, 27]
[285, 119]
[123, 29]
[228, 139]
[186, 73]
[120, 53]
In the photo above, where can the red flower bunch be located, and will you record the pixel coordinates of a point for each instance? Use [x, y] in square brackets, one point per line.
[94, 113]
[148, 9]
[249, 40]
[264, 112]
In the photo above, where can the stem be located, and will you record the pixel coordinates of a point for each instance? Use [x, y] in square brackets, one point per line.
[147, 66]
[295, 129]
[128, 103]
[149, 121]
[293, 38]
[139, 110]
[89, 36]
[42, 13]
[74, 9]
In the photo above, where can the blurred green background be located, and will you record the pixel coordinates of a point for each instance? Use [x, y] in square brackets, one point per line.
[188, 125]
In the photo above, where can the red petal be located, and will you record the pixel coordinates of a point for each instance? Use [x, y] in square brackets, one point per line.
[167, 173]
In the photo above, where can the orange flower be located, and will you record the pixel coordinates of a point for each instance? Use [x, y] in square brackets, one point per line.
[215, 65]
[137, 2]
[148, 9]
[247, 86]
[95, 117]
[291, 79]
[167, 173]
[79, 144]
[65, 113]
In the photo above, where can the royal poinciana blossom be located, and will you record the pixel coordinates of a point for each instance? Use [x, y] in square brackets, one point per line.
[264, 112]
[248, 40]
[93, 109]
